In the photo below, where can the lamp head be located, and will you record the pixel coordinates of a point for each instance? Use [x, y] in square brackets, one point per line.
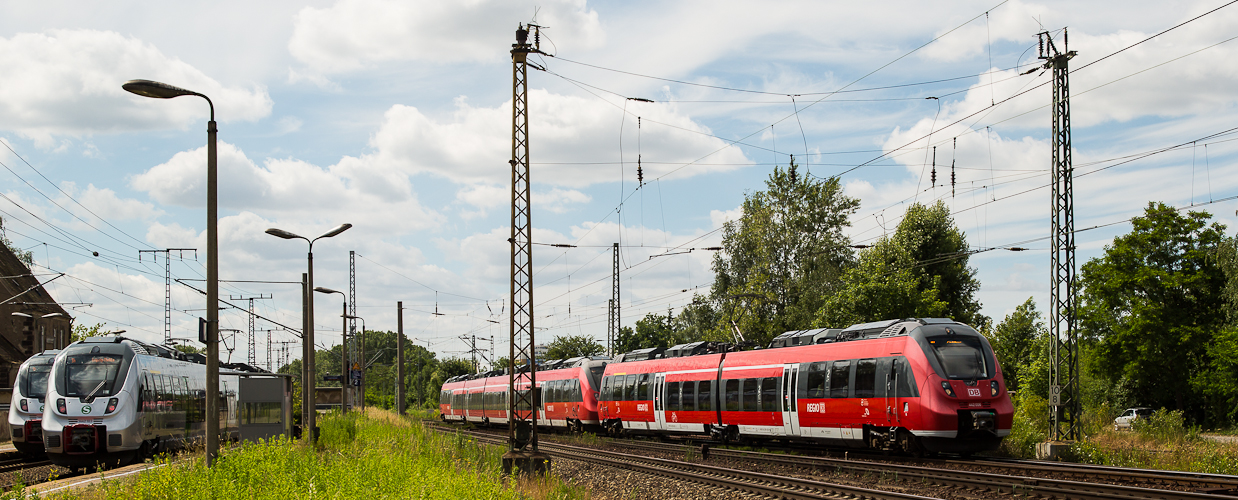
[283, 234]
[53, 315]
[323, 289]
[336, 230]
[157, 90]
[21, 314]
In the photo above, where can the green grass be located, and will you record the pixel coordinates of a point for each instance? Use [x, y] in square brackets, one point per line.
[375, 456]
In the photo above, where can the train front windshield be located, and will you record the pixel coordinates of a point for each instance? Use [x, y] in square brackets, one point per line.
[32, 379]
[962, 357]
[92, 371]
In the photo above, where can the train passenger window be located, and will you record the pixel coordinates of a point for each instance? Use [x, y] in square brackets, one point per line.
[553, 396]
[769, 394]
[689, 396]
[672, 396]
[642, 389]
[616, 388]
[865, 378]
[840, 379]
[704, 396]
[629, 388]
[817, 375]
[731, 394]
[751, 391]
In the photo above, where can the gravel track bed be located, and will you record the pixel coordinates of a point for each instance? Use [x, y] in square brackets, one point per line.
[605, 483]
[34, 475]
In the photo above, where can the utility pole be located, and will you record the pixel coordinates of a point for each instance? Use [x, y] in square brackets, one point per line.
[399, 358]
[522, 454]
[252, 358]
[1064, 367]
[613, 342]
[167, 283]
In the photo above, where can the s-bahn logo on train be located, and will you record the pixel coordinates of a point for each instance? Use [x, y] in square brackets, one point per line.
[85, 409]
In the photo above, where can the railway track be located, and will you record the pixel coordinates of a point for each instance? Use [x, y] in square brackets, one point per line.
[1066, 481]
[719, 477]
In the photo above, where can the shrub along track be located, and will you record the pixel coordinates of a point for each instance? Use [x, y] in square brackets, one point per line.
[963, 478]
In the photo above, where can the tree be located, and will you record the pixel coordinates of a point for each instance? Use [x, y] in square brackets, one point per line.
[919, 271]
[26, 257]
[81, 332]
[1153, 303]
[188, 349]
[1014, 341]
[654, 330]
[573, 346]
[782, 258]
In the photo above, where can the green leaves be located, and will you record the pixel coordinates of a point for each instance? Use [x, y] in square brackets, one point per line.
[573, 346]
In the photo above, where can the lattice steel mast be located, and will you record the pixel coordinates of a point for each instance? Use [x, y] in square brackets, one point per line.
[1064, 366]
[522, 454]
[167, 284]
[252, 352]
[612, 329]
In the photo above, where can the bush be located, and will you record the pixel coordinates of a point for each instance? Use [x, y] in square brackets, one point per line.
[1030, 426]
[1165, 425]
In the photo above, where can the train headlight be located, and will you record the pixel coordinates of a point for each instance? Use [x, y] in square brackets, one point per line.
[993, 388]
[111, 406]
[62, 406]
[946, 387]
[24, 406]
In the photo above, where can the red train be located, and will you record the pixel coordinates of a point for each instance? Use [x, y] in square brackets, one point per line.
[913, 385]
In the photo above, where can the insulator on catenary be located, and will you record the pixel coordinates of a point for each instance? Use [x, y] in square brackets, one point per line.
[640, 174]
[956, 148]
[933, 177]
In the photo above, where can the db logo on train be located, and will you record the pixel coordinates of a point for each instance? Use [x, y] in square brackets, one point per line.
[973, 392]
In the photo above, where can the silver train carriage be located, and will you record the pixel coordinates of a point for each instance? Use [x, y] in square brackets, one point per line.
[26, 410]
[112, 400]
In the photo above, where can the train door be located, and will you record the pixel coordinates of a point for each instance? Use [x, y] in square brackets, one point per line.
[790, 403]
[659, 414]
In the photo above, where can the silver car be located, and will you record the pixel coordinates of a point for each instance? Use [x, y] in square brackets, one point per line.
[1128, 417]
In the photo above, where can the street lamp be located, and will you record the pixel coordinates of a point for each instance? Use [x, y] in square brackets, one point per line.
[157, 90]
[360, 355]
[344, 378]
[307, 386]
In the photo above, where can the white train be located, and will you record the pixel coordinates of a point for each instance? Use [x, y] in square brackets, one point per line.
[26, 410]
[111, 400]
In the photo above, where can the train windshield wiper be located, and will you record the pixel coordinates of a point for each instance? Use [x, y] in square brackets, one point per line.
[92, 393]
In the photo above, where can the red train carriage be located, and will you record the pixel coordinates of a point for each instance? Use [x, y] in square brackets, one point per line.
[567, 387]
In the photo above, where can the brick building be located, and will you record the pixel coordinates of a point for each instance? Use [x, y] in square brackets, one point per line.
[30, 320]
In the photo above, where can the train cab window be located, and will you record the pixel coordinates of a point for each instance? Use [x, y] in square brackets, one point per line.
[672, 396]
[689, 396]
[817, 375]
[865, 378]
[604, 393]
[629, 388]
[704, 396]
[642, 389]
[960, 356]
[731, 393]
[840, 379]
[751, 388]
[577, 395]
[769, 394]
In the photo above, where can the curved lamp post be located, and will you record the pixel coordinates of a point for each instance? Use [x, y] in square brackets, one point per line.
[344, 378]
[307, 386]
[157, 90]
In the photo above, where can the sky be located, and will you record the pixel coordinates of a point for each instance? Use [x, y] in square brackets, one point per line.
[395, 116]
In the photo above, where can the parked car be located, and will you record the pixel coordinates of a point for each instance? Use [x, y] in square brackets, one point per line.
[1128, 417]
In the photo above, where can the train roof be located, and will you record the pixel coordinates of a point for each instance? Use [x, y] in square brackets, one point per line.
[164, 351]
[554, 364]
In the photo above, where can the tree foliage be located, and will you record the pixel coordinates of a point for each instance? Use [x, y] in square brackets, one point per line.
[1153, 303]
[1015, 341]
[82, 331]
[573, 346]
[783, 256]
[920, 271]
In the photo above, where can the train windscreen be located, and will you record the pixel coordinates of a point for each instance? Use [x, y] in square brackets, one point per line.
[962, 357]
[92, 370]
[32, 379]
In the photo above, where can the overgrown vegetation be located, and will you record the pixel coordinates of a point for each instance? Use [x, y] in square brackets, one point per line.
[375, 456]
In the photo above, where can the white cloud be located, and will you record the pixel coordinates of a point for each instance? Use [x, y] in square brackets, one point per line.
[67, 82]
[567, 133]
[105, 204]
[292, 188]
[353, 34]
